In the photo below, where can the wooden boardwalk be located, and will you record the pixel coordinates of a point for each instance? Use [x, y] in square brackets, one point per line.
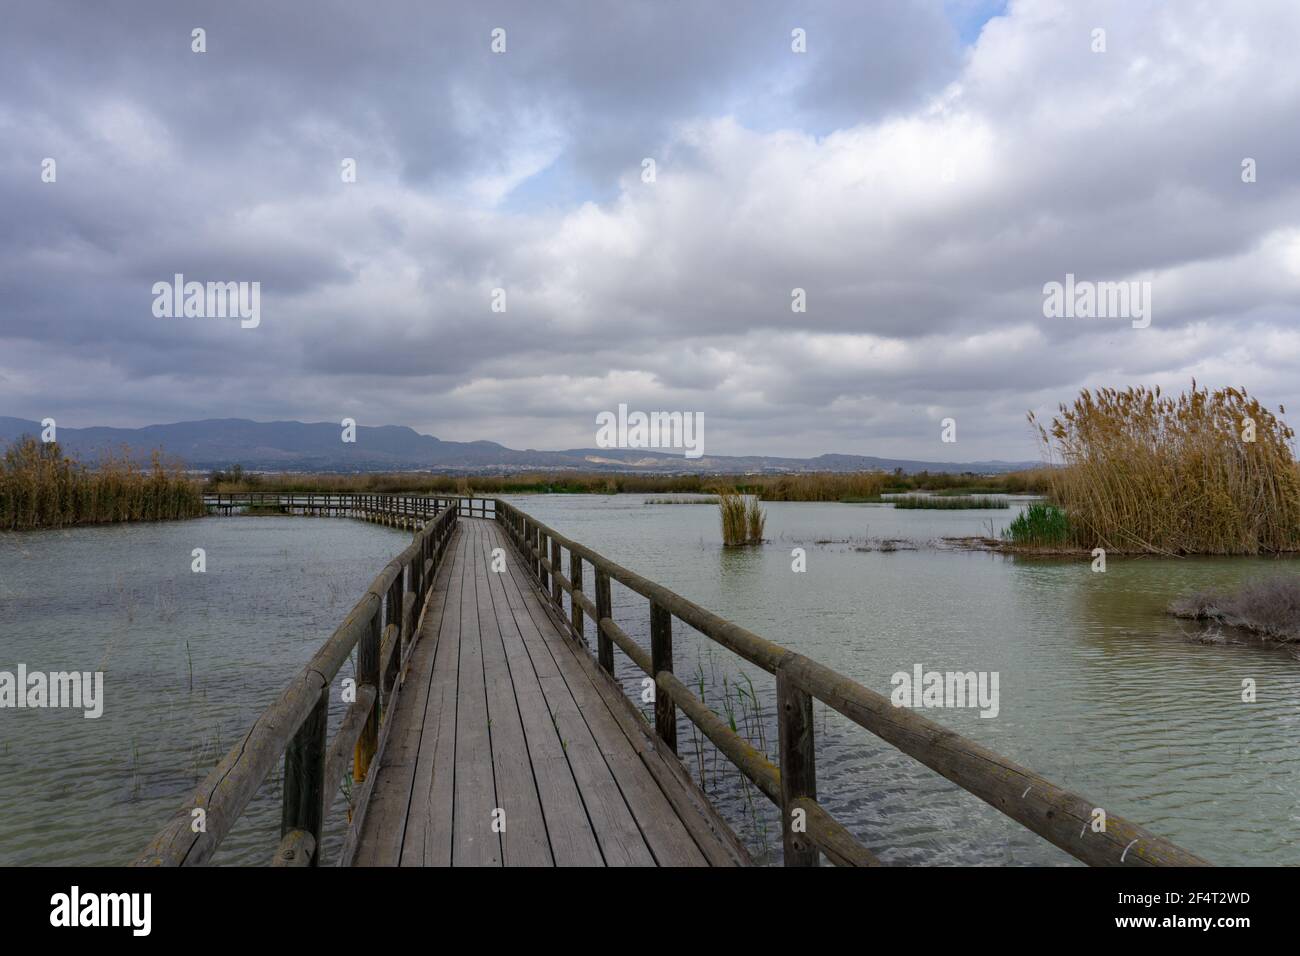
[509, 746]
[484, 733]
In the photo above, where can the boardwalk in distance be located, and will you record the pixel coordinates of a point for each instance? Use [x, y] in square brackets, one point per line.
[505, 718]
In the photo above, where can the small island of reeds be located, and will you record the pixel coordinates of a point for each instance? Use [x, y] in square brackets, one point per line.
[1269, 608]
[742, 520]
[948, 502]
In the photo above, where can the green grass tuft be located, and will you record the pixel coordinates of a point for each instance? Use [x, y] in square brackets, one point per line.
[1040, 525]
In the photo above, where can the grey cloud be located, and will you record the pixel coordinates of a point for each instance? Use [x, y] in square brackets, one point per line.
[775, 170]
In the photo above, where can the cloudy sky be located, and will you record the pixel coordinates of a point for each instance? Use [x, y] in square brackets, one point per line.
[921, 171]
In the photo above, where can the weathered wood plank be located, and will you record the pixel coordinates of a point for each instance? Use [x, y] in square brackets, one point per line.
[620, 839]
[428, 840]
[474, 842]
[711, 833]
[524, 839]
[654, 815]
[571, 838]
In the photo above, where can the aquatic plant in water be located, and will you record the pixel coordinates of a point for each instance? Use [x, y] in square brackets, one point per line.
[743, 519]
[1040, 525]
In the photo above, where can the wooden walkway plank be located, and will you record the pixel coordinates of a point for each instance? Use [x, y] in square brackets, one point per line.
[428, 828]
[524, 839]
[655, 816]
[474, 840]
[571, 839]
[710, 832]
[620, 839]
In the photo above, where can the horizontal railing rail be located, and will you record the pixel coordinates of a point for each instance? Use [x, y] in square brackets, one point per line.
[381, 628]
[808, 830]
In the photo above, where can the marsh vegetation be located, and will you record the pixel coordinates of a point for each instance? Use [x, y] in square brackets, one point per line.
[949, 502]
[1269, 607]
[1040, 525]
[40, 487]
[1201, 473]
[806, 486]
[742, 518]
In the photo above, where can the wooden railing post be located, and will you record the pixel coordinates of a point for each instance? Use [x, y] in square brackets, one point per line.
[303, 803]
[540, 546]
[575, 609]
[557, 592]
[368, 673]
[604, 609]
[409, 611]
[392, 615]
[661, 659]
[794, 713]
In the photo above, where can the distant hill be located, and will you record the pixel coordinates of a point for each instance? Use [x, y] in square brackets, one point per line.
[315, 446]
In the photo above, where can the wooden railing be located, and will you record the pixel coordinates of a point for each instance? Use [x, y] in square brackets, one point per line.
[382, 628]
[1059, 816]
[397, 506]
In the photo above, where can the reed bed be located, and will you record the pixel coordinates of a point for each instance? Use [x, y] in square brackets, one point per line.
[40, 487]
[948, 502]
[743, 519]
[682, 501]
[815, 486]
[1201, 473]
[806, 486]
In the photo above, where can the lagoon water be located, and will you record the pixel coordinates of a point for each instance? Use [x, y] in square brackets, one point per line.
[124, 600]
[1100, 691]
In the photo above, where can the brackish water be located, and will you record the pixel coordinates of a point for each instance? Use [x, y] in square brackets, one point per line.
[1100, 691]
[124, 600]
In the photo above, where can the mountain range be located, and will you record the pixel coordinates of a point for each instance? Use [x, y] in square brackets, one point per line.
[316, 447]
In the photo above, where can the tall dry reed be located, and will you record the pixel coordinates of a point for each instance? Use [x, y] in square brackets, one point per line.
[42, 488]
[1201, 473]
[742, 518]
